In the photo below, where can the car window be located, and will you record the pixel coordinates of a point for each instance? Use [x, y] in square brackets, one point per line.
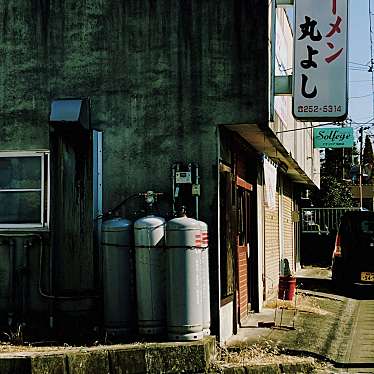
[367, 227]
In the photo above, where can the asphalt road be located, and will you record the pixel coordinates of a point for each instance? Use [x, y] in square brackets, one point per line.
[359, 357]
[356, 348]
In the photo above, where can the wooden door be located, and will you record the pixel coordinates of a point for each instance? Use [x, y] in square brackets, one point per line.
[243, 249]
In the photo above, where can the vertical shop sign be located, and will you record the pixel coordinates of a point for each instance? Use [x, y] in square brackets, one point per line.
[320, 60]
[270, 176]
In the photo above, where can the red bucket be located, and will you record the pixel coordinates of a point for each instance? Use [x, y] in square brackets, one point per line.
[287, 287]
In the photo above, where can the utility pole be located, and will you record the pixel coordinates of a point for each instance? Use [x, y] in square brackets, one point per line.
[360, 165]
[360, 177]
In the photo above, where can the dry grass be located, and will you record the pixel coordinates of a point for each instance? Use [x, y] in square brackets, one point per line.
[301, 302]
[10, 348]
[265, 352]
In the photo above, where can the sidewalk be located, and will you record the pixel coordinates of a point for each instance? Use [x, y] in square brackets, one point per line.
[314, 324]
[286, 337]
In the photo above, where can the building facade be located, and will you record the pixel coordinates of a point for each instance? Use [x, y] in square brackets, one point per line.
[168, 83]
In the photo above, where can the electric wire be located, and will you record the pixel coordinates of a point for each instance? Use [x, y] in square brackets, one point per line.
[358, 63]
[310, 127]
[358, 69]
[360, 81]
[360, 123]
[360, 97]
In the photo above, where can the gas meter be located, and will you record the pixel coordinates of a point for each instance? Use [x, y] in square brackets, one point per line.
[186, 188]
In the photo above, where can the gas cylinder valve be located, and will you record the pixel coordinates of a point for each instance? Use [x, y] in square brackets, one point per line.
[150, 197]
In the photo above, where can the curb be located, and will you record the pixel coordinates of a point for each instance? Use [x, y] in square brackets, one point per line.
[305, 366]
[322, 295]
[152, 358]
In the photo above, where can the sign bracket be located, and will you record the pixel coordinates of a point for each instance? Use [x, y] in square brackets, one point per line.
[283, 85]
[284, 3]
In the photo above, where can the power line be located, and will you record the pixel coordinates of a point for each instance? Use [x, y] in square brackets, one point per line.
[360, 80]
[359, 97]
[359, 65]
[358, 68]
[360, 123]
[312, 127]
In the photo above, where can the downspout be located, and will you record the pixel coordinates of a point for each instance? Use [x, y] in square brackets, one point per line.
[218, 153]
[11, 281]
[23, 275]
[51, 303]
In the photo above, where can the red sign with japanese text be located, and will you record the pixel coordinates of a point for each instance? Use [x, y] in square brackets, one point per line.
[320, 60]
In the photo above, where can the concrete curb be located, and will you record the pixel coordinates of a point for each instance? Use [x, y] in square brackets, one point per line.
[150, 358]
[322, 295]
[304, 366]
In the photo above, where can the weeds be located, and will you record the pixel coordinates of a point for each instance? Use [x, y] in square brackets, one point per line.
[15, 337]
[302, 303]
[265, 351]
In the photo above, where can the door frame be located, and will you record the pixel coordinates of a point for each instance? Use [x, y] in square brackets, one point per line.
[242, 248]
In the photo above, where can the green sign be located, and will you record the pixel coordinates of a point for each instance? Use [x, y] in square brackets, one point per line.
[333, 137]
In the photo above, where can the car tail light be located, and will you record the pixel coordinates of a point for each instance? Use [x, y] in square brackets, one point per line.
[337, 249]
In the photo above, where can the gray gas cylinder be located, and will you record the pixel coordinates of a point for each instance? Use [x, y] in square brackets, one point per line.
[150, 274]
[184, 292]
[118, 284]
[205, 277]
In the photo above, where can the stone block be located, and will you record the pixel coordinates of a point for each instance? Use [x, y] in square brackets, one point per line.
[264, 368]
[186, 357]
[298, 367]
[231, 369]
[167, 358]
[49, 363]
[12, 365]
[129, 360]
[88, 361]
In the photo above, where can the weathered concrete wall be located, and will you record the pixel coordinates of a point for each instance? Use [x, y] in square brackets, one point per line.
[161, 75]
[140, 358]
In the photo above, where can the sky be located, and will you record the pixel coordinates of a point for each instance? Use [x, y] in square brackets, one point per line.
[360, 90]
[360, 55]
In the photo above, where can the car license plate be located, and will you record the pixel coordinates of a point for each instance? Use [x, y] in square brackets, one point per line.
[367, 276]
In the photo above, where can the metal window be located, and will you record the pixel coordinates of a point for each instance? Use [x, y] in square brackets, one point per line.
[24, 189]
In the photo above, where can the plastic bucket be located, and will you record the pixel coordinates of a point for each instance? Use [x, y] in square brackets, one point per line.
[287, 287]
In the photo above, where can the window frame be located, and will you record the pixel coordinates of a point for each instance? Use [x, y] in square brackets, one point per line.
[44, 156]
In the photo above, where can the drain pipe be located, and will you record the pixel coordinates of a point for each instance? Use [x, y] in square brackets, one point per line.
[23, 275]
[51, 303]
[11, 281]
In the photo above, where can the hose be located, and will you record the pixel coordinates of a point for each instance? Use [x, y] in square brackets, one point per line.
[110, 212]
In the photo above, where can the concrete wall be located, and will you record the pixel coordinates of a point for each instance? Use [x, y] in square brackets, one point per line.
[161, 76]
[298, 143]
[272, 248]
[288, 225]
[279, 234]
